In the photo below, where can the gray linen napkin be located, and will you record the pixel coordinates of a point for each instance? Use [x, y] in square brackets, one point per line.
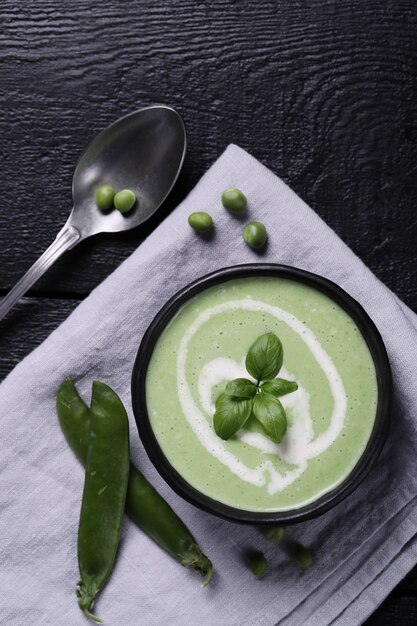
[363, 547]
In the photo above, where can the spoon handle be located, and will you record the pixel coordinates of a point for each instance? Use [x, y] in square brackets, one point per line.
[66, 239]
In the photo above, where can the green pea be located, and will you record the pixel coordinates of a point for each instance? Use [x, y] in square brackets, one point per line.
[255, 235]
[200, 221]
[273, 534]
[258, 563]
[234, 200]
[124, 200]
[104, 197]
[302, 556]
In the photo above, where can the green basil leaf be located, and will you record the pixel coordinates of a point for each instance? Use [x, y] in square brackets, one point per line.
[269, 411]
[264, 358]
[231, 414]
[241, 388]
[279, 387]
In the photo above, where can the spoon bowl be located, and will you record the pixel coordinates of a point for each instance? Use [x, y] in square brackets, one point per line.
[143, 151]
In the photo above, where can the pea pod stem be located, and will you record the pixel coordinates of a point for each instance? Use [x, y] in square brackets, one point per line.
[146, 508]
[88, 603]
[92, 616]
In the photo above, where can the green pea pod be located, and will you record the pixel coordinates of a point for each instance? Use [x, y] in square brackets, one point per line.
[146, 508]
[104, 496]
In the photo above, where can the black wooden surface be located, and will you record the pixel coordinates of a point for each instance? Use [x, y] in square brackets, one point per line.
[323, 92]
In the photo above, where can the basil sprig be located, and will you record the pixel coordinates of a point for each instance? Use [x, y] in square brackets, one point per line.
[243, 398]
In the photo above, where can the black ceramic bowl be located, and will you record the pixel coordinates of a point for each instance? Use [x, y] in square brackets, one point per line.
[376, 440]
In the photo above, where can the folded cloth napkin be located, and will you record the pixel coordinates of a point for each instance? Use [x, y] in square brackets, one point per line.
[362, 548]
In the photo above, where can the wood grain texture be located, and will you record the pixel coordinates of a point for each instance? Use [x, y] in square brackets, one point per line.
[322, 92]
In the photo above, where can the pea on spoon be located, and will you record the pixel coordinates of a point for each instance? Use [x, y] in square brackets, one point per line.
[143, 151]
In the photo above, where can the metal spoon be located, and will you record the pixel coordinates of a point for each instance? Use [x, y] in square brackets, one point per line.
[143, 151]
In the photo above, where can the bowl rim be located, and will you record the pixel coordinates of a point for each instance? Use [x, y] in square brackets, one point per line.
[376, 440]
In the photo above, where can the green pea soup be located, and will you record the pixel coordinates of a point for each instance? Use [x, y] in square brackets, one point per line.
[330, 416]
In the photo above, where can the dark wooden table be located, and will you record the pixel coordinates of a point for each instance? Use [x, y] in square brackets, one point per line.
[323, 92]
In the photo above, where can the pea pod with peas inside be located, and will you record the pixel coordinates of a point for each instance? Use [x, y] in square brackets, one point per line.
[145, 507]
